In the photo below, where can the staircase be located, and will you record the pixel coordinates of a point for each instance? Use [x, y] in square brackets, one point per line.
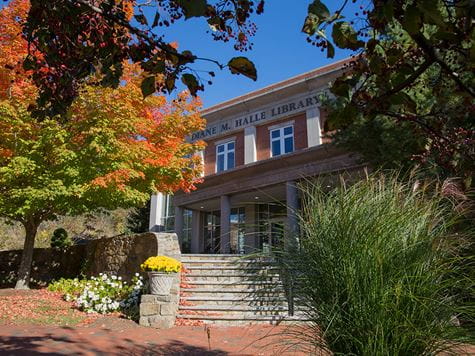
[231, 290]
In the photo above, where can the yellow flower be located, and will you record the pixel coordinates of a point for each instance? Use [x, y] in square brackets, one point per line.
[161, 264]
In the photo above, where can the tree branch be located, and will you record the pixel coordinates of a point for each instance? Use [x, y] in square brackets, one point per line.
[152, 41]
[410, 80]
[435, 56]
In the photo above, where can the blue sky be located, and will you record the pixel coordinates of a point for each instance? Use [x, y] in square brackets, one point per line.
[280, 49]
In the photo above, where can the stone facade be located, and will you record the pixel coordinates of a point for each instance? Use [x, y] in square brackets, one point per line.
[48, 264]
[121, 255]
[158, 311]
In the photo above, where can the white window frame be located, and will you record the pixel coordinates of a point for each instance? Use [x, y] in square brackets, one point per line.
[225, 153]
[282, 138]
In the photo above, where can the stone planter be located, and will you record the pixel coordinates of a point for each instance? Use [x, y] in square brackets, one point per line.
[160, 283]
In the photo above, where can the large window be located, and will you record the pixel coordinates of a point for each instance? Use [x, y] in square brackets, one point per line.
[168, 222]
[225, 154]
[237, 220]
[168, 213]
[282, 140]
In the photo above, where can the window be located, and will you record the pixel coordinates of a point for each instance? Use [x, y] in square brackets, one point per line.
[225, 156]
[168, 213]
[282, 140]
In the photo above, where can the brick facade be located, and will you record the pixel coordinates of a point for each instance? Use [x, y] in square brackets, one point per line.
[263, 135]
[210, 152]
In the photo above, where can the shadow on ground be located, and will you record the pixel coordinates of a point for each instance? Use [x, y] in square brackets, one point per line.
[50, 344]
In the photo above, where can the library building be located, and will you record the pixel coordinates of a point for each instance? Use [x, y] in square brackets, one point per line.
[259, 147]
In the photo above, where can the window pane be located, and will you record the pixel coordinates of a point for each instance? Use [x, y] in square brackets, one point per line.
[220, 163]
[288, 130]
[275, 133]
[231, 146]
[289, 144]
[221, 148]
[275, 148]
[230, 160]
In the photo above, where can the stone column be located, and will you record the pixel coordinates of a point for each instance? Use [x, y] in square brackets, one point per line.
[292, 198]
[314, 132]
[202, 157]
[196, 230]
[156, 212]
[225, 224]
[250, 151]
[179, 222]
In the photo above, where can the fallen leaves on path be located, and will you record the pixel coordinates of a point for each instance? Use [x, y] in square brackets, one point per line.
[39, 307]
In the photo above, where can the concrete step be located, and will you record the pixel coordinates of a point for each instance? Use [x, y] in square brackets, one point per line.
[231, 319]
[238, 300]
[275, 309]
[230, 270]
[206, 293]
[225, 263]
[232, 278]
[234, 287]
[193, 256]
[240, 283]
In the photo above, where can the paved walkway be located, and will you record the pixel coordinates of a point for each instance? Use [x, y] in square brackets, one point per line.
[113, 336]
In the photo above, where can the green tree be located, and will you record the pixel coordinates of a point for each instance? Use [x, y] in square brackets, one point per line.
[111, 149]
[138, 218]
[411, 74]
[72, 39]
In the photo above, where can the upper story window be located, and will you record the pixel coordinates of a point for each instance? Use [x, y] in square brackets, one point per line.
[225, 154]
[282, 140]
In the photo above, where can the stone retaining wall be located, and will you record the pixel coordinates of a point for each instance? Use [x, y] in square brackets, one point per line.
[121, 255]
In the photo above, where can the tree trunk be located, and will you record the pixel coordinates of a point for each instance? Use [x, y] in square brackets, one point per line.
[24, 272]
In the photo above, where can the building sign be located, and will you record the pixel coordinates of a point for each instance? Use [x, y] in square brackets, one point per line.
[271, 113]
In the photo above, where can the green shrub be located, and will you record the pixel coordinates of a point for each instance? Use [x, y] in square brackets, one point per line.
[103, 294]
[376, 269]
[70, 288]
[60, 238]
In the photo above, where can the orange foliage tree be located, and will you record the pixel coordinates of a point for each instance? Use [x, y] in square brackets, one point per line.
[112, 149]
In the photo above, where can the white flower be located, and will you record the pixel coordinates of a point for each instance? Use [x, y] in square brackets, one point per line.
[114, 277]
[119, 278]
[137, 274]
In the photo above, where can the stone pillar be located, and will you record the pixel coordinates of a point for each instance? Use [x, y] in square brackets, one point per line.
[196, 231]
[225, 224]
[158, 311]
[314, 132]
[292, 198]
[250, 151]
[156, 212]
[179, 222]
[202, 157]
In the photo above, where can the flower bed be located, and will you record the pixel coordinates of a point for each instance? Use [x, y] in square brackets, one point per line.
[103, 294]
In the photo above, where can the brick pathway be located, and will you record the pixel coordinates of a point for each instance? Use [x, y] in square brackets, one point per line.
[113, 336]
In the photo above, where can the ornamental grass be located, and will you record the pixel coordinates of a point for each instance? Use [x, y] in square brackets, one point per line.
[378, 270]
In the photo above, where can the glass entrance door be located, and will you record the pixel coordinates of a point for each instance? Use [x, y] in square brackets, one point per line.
[212, 232]
[276, 233]
[271, 222]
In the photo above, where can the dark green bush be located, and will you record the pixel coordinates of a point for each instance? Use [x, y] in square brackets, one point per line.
[378, 268]
[60, 239]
